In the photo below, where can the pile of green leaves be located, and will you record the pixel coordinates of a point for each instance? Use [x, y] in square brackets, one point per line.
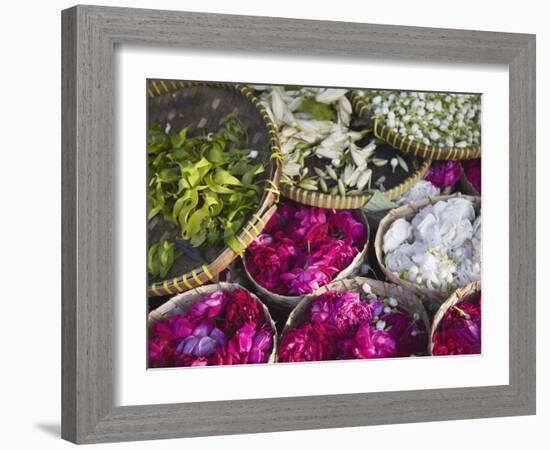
[160, 258]
[206, 185]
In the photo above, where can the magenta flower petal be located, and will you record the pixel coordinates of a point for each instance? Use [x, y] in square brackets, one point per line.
[444, 173]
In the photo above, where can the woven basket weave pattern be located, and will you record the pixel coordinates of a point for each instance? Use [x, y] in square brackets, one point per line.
[409, 146]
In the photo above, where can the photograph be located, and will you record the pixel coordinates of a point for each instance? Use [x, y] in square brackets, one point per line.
[290, 223]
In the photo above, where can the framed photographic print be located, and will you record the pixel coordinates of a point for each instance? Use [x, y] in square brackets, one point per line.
[266, 230]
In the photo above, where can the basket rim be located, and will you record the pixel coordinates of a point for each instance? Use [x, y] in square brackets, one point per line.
[353, 284]
[187, 298]
[290, 301]
[413, 208]
[413, 146]
[458, 296]
[252, 228]
[322, 200]
[466, 184]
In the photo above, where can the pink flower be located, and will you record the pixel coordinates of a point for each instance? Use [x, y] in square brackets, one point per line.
[369, 342]
[345, 311]
[242, 309]
[472, 170]
[249, 346]
[161, 352]
[308, 342]
[266, 263]
[410, 335]
[334, 254]
[204, 341]
[303, 281]
[211, 305]
[444, 173]
[163, 336]
[459, 332]
[344, 221]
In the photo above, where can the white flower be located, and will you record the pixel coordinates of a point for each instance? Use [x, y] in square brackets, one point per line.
[330, 95]
[399, 232]
[444, 250]
[366, 288]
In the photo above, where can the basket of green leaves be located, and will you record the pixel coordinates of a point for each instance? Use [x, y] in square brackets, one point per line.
[213, 176]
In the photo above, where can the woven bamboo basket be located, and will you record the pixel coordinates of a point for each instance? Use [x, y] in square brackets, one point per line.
[469, 292]
[200, 106]
[407, 300]
[466, 185]
[286, 302]
[408, 211]
[407, 146]
[181, 303]
[322, 200]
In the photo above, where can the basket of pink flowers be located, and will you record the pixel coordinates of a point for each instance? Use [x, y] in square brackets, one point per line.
[456, 328]
[215, 324]
[303, 248]
[357, 318]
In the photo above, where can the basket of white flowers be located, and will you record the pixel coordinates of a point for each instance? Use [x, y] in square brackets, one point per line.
[329, 162]
[430, 125]
[433, 246]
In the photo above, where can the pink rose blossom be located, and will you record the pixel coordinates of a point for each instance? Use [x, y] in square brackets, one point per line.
[459, 332]
[444, 173]
[211, 305]
[369, 342]
[308, 342]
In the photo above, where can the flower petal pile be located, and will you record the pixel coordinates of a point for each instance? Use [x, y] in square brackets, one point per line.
[221, 328]
[340, 325]
[303, 248]
[433, 118]
[440, 248]
[459, 332]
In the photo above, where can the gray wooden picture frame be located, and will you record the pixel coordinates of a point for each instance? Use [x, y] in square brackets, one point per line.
[90, 34]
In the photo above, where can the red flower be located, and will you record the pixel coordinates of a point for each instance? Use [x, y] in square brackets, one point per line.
[242, 309]
[459, 332]
[308, 342]
[410, 335]
[345, 222]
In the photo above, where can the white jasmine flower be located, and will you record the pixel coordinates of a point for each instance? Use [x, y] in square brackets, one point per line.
[444, 251]
[366, 288]
[399, 232]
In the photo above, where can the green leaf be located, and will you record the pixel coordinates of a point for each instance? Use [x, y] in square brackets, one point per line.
[319, 111]
[222, 176]
[378, 202]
